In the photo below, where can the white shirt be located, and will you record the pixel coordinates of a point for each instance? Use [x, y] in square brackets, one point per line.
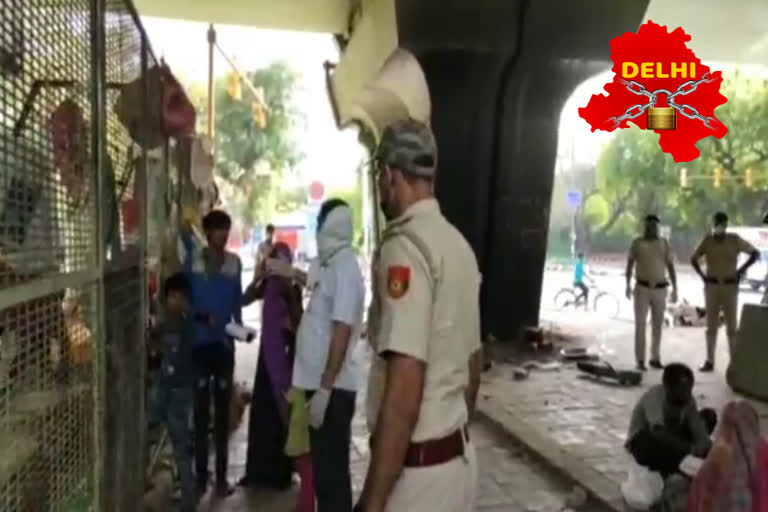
[337, 295]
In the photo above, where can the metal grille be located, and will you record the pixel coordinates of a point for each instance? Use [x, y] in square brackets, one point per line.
[72, 284]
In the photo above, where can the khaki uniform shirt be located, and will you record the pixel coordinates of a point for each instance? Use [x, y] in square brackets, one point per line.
[431, 314]
[651, 259]
[722, 256]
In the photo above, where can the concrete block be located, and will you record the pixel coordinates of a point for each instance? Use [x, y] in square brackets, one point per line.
[746, 373]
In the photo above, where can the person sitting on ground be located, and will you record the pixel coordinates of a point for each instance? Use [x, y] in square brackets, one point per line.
[734, 477]
[666, 425]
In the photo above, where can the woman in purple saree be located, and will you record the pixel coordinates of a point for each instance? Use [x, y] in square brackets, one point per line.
[266, 463]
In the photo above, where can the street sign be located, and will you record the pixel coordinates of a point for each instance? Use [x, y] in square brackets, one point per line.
[316, 191]
[574, 199]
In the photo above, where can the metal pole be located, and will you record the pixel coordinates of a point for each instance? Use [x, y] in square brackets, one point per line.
[243, 78]
[211, 91]
[141, 187]
[98, 139]
[573, 234]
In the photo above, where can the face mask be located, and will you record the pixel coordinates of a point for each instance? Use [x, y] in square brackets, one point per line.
[335, 234]
[719, 230]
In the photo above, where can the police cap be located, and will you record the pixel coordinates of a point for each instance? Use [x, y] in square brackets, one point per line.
[408, 145]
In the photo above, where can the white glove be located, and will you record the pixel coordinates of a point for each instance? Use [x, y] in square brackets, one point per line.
[317, 407]
[279, 267]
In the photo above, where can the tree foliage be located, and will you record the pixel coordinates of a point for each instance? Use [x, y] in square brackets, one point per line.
[634, 177]
[250, 157]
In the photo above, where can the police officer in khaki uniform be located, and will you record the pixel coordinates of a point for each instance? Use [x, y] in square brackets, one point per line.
[652, 257]
[424, 328]
[721, 281]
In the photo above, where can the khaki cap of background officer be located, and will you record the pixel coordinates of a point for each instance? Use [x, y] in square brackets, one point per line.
[425, 331]
[721, 252]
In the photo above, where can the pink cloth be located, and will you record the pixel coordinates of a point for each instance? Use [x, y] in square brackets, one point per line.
[761, 489]
[734, 477]
[307, 488]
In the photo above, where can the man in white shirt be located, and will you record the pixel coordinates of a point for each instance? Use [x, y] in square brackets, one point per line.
[265, 246]
[325, 366]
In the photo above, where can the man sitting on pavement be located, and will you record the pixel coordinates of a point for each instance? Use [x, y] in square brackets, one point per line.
[666, 425]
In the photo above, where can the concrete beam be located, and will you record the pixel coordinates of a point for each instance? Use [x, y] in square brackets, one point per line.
[303, 15]
[374, 39]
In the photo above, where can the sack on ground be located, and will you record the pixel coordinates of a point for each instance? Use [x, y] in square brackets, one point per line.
[643, 488]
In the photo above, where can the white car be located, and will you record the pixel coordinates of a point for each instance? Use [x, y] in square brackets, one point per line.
[756, 274]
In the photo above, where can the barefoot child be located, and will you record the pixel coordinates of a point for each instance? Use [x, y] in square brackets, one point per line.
[170, 401]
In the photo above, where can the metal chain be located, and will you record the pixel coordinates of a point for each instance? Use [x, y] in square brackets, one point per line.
[684, 89]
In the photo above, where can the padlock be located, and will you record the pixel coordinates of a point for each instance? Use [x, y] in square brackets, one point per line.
[662, 118]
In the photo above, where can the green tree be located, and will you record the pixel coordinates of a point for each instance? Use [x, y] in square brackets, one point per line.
[251, 157]
[635, 177]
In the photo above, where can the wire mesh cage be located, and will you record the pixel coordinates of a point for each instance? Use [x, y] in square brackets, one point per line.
[72, 248]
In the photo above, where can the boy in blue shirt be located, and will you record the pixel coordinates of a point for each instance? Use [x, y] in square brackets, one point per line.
[215, 281]
[579, 274]
[170, 401]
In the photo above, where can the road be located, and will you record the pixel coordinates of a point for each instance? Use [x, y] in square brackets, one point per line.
[613, 281]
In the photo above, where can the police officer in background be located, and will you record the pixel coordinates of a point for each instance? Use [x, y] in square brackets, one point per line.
[721, 281]
[652, 257]
[424, 328]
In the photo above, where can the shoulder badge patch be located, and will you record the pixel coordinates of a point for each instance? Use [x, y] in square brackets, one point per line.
[398, 280]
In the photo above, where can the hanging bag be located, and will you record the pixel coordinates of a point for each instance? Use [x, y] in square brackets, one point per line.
[168, 113]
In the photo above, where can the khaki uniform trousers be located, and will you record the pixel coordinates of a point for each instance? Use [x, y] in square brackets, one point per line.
[717, 298]
[449, 487]
[655, 300]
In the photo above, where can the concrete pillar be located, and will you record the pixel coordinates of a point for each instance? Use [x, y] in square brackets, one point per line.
[498, 75]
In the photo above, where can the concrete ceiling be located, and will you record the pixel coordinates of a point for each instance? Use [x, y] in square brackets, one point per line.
[728, 31]
[721, 30]
[303, 15]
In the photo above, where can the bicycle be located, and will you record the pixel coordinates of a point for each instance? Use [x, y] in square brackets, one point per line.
[602, 302]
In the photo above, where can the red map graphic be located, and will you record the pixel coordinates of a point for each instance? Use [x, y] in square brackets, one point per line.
[655, 44]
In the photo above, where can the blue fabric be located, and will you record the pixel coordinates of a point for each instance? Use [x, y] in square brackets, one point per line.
[578, 272]
[218, 294]
[171, 406]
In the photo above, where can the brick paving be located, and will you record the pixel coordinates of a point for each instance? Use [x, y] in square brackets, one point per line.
[578, 424]
[510, 480]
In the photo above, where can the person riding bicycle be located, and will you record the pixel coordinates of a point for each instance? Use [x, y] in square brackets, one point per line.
[579, 275]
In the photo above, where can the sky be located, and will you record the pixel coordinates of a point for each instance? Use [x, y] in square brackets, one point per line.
[332, 155]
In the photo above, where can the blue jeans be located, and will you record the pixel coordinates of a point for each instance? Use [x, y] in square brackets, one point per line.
[171, 406]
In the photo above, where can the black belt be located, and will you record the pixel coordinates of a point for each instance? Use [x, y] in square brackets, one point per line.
[716, 280]
[648, 284]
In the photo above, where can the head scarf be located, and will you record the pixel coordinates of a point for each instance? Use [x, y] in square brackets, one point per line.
[730, 478]
[335, 234]
[273, 337]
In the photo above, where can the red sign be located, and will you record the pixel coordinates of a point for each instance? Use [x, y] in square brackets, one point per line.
[659, 85]
[288, 236]
[316, 191]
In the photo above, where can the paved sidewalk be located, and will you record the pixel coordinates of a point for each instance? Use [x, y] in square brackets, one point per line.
[579, 425]
[510, 481]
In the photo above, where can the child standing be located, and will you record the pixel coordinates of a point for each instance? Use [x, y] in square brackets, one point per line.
[171, 398]
[297, 447]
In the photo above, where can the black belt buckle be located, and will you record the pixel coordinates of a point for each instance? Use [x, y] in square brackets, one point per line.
[655, 286]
